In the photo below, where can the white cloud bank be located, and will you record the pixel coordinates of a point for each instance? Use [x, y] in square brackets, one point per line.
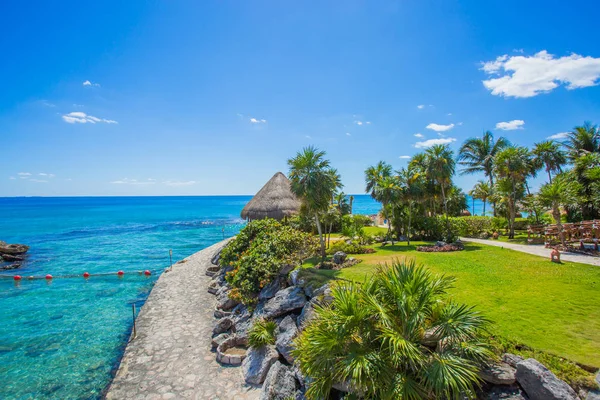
[528, 76]
[558, 136]
[258, 121]
[421, 106]
[431, 142]
[127, 181]
[88, 83]
[419, 135]
[440, 128]
[78, 117]
[511, 125]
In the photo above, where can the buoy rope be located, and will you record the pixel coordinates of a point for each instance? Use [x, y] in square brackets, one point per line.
[85, 275]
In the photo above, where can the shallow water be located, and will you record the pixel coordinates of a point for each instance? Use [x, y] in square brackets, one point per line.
[63, 339]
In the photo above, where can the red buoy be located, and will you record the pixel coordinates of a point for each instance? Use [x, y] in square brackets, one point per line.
[86, 275]
[120, 273]
[48, 276]
[17, 277]
[147, 273]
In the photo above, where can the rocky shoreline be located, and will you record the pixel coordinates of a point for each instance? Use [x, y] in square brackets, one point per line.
[12, 255]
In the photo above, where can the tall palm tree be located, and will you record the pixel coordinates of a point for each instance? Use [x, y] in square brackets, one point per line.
[314, 181]
[411, 191]
[581, 140]
[513, 165]
[477, 155]
[440, 168]
[374, 174]
[549, 154]
[387, 191]
[482, 191]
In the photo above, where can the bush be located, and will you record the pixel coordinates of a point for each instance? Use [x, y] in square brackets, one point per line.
[382, 343]
[499, 223]
[521, 224]
[257, 254]
[262, 333]
[471, 226]
[348, 248]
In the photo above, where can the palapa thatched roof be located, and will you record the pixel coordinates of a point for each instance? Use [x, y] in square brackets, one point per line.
[274, 200]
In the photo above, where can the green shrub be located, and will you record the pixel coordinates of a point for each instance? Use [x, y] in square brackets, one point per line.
[262, 333]
[499, 223]
[397, 335]
[471, 226]
[521, 224]
[348, 248]
[257, 254]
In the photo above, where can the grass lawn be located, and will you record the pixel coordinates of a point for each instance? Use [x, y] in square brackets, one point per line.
[549, 307]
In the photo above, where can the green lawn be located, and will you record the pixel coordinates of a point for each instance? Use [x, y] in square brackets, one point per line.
[549, 307]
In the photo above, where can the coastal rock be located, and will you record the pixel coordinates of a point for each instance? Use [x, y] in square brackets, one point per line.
[541, 384]
[215, 259]
[285, 301]
[11, 257]
[294, 278]
[286, 269]
[511, 359]
[287, 333]
[308, 313]
[271, 289]
[10, 266]
[242, 319]
[13, 249]
[212, 270]
[220, 313]
[257, 363]
[280, 383]
[339, 257]
[223, 326]
[224, 302]
[498, 374]
[217, 340]
[213, 288]
[504, 393]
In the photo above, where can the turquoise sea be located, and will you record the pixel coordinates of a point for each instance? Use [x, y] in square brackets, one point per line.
[63, 339]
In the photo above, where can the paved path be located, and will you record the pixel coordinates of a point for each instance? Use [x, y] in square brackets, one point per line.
[171, 356]
[538, 250]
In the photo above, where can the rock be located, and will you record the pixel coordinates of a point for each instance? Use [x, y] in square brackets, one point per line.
[271, 289]
[498, 374]
[10, 266]
[212, 270]
[285, 301]
[541, 384]
[224, 302]
[511, 359]
[280, 383]
[339, 257]
[257, 363]
[217, 257]
[220, 314]
[242, 319]
[286, 269]
[504, 393]
[217, 340]
[287, 333]
[323, 294]
[293, 277]
[308, 313]
[223, 325]
[598, 378]
[213, 288]
[231, 358]
[11, 257]
[592, 395]
[440, 244]
[13, 249]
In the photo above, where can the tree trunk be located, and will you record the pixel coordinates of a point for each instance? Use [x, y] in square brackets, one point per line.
[446, 211]
[511, 233]
[484, 200]
[409, 220]
[549, 175]
[321, 240]
[556, 215]
[492, 187]
[473, 198]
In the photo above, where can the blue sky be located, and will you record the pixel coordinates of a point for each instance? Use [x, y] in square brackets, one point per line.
[212, 97]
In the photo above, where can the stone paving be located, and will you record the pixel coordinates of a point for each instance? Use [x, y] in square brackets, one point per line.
[171, 357]
[538, 250]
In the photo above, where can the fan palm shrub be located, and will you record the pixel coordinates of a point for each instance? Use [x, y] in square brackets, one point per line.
[396, 336]
[262, 333]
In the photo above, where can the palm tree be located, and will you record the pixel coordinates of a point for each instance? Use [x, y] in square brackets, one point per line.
[582, 140]
[555, 194]
[549, 154]
[411, 191]
[482, 191]
[395, 336]
[440, 168]
[513, 165]
[314, 181]
[387, 191]
[375, 174]
[477, 155]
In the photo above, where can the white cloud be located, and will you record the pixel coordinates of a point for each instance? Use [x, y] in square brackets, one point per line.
[558, 136]
[421, 106]
[127, 181]
[258, 121]
[88, 83]
[82, 118]
[348, 134]
[368, 122]
[45, 174]
[511, 125]
[12, 178]
[179, 183]
[404, 157]
[528, 76]
[78, 105]
[431, 142]
[24, 174]
[359, 123]
[46, 103]
[419, 135]
[440, 128]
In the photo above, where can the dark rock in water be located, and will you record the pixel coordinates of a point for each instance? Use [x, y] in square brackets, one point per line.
[280, 383]
[11, 257]
[541, 384]
[10, 266]
[13, 249]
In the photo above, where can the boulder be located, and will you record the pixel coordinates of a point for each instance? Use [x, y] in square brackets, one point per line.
[285, 301]
[280, 383]
[272, 288]
[213, 288]
[220, 313]
[224, 302]
[223, 325]
[286, 269]
[257, 363]
[440, 244]
[323, 294]
[294, 278]
[285, 336]
[504, 393]
[339, 257]
[498, 374]
[212, 270]
[217, 340]
[511, 359]
[592, 395]
[541, 384]
[13, 249]
[308, 313]
[242, 319]
[11, 257]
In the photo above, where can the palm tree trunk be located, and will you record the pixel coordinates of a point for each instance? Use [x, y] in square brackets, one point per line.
[484, 201]
[511, 234]
[556, 215]
[549, 176]
[409, 220]
[321, 240]
[492, 188]
[473, 198]
[446, 211]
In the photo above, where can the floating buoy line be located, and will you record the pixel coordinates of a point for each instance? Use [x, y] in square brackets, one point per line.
[86, 275]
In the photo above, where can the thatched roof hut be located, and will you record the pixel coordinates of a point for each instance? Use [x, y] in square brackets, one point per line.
[274, 200]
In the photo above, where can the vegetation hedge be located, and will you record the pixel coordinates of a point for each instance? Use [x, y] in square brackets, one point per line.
[257, 254]
[349, 248]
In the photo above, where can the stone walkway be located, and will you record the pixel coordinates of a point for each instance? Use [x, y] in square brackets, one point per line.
[538, 250]
[171, 356]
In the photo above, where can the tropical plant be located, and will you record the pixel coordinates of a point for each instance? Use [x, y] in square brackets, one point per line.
[549, 154]
[560, 192]
[374, 175]
[482, 191]
[478, 154]
[582, 140]
[383, 187]
[314, 181]
[396, 336]
[262, 333]
[440, 168]
[412, 187]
